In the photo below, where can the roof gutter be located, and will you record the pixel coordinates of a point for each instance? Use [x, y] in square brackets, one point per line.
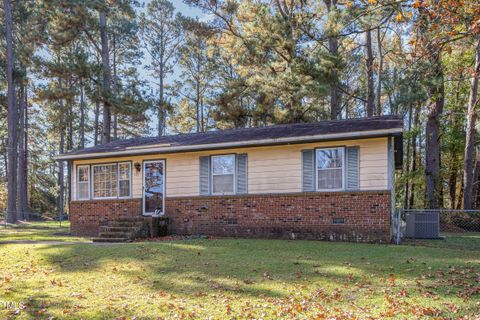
[238, 144]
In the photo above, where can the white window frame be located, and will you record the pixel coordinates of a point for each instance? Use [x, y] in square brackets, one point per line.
[130, 180]
[117, 182]
[93, 180]
[343, 169]
[234, 173]
[79, 182]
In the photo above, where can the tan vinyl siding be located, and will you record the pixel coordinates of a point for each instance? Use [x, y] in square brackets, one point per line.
[274, 169]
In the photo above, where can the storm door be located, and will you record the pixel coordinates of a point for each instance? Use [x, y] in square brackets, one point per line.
[154, 188]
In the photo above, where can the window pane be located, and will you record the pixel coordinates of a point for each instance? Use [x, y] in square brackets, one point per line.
[330, 179]
[124, 170]
[329, 158]
[124, 179]
[83, 182]
[223, 164]
[330, 169]
[105, 181]
[83, 190]
[223, 183]
[124, 188]
[82, 174]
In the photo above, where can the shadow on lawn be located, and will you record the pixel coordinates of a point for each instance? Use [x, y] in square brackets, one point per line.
[36, 305]
[187, 267]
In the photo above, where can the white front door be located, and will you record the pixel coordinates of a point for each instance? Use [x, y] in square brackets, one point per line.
[154, 187]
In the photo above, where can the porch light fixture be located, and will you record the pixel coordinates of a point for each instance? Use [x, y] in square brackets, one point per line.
[138, 166]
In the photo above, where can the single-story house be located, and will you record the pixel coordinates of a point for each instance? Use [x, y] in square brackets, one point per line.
[328, 180]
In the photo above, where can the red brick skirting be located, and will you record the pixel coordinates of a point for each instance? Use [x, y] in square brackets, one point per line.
[339, 216]
[366, 216]
[86, 217]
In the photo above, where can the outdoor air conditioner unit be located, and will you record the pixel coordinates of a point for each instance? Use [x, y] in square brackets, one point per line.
[423, 225]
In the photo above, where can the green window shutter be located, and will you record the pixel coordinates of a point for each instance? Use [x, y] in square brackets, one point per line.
[353, 168]
[242, 175]
[308, 170]
[204, 176]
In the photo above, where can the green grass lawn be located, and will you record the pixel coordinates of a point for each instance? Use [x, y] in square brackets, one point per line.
[239, 279]
[465, 241]
[38, 231]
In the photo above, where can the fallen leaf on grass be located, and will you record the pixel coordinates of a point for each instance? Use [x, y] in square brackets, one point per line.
[392, 279]
[57, 283]
[77, 295]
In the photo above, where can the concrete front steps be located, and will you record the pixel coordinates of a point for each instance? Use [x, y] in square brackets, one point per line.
[121, 230]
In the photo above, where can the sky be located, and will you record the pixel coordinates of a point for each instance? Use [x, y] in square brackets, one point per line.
[182, 8]
[186, 10]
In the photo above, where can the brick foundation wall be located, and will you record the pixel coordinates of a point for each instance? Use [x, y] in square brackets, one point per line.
[86, 217]
[365, 215]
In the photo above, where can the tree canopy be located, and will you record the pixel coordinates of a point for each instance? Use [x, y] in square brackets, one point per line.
[80, 73]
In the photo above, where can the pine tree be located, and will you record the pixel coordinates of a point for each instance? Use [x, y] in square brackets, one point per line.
[162, 35]
[12, 116]
[197, 69]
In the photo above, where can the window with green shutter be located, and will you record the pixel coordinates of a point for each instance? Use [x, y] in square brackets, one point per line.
[331, 169]
[223, 174]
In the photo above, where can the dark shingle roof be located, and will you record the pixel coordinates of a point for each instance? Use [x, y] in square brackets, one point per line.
[251, 134]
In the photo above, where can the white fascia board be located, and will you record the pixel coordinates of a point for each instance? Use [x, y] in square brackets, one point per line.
[224, 145]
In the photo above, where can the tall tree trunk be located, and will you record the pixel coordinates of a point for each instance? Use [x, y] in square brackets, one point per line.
[69, 183]
[413, 160]
[161, 106]
[61, 149]
[370, 84]
[96, 122]
[115, 126]
[378, 95]
[82, 117]
[69, 148]
[470, 134]
[436, 92]
[21, 180]
[26, 138]
[5, 156]
[432, 137]
[202, 116]
[476, 177]
[197, 104]
[452, 181]
[115, 88]
[335, 96]
[460, 196]
[70, 123]
[409, 140]
[106, 77]
[61, 185]
[12, 117]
